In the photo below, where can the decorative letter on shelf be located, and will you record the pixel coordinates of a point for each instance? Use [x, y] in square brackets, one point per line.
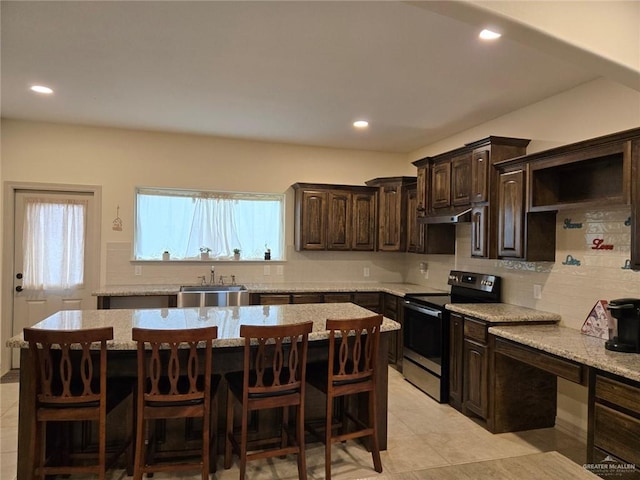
[571, 261]
[598, 244]
[568, 224]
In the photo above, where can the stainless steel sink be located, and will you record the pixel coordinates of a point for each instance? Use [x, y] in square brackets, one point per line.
[212, 288]
[213, 296]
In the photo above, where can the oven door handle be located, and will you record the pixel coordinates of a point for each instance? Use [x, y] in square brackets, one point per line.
[432, 312]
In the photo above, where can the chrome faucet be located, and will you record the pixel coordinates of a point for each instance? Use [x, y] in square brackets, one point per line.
[203, 280]
[212, 278]
[233, 279]
[221, 280]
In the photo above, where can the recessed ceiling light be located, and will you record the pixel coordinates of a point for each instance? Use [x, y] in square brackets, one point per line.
[41, 89]
[361, 124]
[489, 35]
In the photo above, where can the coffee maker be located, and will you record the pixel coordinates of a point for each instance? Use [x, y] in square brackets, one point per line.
[626, 311]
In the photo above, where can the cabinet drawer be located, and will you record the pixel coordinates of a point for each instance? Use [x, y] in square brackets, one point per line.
[307, 298]
[560, 367]
[337, 297]
[274, 299]
[618, 393]
[617, 433]
[475, 330]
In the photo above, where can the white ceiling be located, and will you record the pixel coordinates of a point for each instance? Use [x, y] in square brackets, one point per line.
[294, 72]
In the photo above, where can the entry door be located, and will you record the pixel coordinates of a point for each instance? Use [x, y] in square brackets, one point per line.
[32, 303]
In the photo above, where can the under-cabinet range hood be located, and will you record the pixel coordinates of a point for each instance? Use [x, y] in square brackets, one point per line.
[451, 215]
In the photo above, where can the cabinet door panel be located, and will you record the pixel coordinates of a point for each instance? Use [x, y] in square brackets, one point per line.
[339, 221]
[461, 180]
[479, 176]
[364, 221]
[415, 230]
[479, 227]
[314, 214]
[511, 214]
[391, 219]
[422, 182]
[635, 205]
[476, 368]
[456, 340]
[441, 185]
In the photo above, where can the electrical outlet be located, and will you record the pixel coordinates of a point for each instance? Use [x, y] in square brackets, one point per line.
[267, 270]
[279, 270]
[138, 269]
[537, 291]
[366, 271]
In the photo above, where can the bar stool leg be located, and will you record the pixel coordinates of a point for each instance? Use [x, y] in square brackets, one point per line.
[302, 463]
[229, 431]
[375, 447]
[327, 440]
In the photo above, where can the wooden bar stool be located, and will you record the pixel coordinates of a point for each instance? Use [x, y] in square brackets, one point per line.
[175, 382]
[71, 386]
[350, 370]
[275, 359]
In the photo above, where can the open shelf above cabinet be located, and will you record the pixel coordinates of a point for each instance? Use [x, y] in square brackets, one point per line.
[595, 181]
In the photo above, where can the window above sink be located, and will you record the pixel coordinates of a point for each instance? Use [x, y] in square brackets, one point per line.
[198, 225]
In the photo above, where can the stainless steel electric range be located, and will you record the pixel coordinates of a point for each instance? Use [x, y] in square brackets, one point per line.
[426, 329]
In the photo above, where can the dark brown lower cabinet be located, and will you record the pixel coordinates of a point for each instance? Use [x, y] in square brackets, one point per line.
[496, 382]
[456, 354]
[393, 309]
[476, 372]
[614, 425]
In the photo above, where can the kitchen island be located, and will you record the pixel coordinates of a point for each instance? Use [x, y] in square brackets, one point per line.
[227, 356]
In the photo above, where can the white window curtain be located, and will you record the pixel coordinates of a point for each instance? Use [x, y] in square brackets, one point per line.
[54, 242]
[184, 222]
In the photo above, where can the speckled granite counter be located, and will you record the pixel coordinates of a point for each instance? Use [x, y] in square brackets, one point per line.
[571, 344]
[228, 320]
[399, 289]
[503, 312]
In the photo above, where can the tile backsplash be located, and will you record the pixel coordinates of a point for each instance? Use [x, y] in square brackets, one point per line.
[592, 263]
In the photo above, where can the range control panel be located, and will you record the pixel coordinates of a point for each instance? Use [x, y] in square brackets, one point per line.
[474, 281]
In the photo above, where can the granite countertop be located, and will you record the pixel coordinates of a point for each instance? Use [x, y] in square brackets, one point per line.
[228, 320]
[399, 289]
[569, 343]
[503, 312]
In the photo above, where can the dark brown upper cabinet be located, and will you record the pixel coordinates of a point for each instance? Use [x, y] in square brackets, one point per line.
[311, 219]
[461, 180]
[335, 217]
[479, 176]
[511, 214]
[415, 230]
[441, 185]
[634, 260]
[465, 177]
[392, 212]
[593, 173]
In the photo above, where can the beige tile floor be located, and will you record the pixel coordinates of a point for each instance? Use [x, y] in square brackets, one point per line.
[422, 434]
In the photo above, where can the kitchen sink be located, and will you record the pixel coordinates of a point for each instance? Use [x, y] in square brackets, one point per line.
[212, 296]
[212, 288]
